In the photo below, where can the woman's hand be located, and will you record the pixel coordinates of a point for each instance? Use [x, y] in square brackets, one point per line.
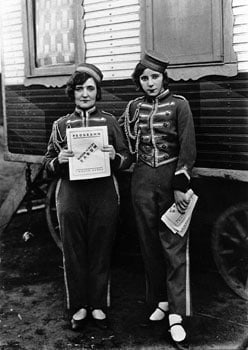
[181, 201]
[111, 150]
[64, 156]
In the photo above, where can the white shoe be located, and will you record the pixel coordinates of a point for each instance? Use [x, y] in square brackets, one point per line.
[160, 311]
[79, 319]
[80, 314]
[98, 314]
[176, 329]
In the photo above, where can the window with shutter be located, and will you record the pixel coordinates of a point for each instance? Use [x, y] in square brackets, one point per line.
[54, 40]
[196, 35]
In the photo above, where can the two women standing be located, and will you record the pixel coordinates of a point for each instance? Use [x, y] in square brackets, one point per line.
[159, 132]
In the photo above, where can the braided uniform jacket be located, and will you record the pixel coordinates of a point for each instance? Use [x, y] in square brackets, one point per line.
[161, 130]
[92, 117]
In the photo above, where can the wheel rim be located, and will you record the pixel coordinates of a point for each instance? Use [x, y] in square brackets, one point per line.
[230, 248]
[51, 214]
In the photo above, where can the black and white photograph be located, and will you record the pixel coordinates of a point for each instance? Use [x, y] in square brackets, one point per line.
[124, 175]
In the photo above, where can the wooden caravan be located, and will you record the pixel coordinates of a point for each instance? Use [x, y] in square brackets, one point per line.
[206, 41]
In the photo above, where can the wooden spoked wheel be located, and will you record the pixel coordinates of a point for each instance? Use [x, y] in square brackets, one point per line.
[51, 213]
[230, 248]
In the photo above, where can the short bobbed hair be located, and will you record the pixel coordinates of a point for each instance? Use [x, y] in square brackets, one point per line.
[79, 78]
[138, 71]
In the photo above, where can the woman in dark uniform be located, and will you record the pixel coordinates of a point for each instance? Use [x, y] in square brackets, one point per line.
[160, 133]
[87, 209]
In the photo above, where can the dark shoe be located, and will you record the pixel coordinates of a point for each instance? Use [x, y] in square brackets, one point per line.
[78, 325]
[102, 324]
[180, 345]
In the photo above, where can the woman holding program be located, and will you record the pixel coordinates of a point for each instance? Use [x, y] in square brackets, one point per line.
[160, 133]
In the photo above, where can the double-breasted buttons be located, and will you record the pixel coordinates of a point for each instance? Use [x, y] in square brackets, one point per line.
[166, 156]
[145, 138]
[144, 156]
[164, 146]
[166, 124]
[167, 113]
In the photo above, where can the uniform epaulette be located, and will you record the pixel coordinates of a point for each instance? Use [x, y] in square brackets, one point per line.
[62, 118]
[138, 99]
[109, 114]
[179, 96]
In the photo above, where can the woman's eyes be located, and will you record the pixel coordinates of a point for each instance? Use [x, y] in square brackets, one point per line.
[153, 76]
[80, 88]
[91, 88]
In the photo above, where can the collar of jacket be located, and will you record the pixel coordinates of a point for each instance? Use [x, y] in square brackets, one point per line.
[159, 97]
[85, 112]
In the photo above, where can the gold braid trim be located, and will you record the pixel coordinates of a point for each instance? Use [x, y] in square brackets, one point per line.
[57, 137]
[135, 135]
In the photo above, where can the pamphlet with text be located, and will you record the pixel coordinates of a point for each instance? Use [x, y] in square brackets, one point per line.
[89, 161]
[177, 222]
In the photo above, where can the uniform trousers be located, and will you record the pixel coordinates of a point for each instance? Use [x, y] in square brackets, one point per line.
[87, 213]
[165, 254]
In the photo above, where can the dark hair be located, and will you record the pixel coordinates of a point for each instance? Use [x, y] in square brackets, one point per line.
[138, 71]
[79, 78]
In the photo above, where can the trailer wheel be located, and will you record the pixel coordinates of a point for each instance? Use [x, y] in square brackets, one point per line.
[51, 214]
[230, 248]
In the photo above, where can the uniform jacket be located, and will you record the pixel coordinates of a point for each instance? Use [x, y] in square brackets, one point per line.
[161, 130]
[91, 117]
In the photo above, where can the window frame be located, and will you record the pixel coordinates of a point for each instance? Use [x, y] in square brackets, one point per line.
[50, 75]
[227, 67]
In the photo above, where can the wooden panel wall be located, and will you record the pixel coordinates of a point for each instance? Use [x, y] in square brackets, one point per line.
[12, 42]
[219, 105]
[240, 33]
[111, 34]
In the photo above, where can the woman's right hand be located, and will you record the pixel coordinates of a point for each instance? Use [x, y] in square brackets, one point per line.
[181, 201]
[64, 156]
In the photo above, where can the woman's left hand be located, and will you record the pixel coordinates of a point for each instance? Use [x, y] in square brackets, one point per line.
[181, 201]
[111, 150]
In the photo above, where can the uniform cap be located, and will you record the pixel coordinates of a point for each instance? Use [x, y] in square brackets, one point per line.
[155, 61]
[91, 69]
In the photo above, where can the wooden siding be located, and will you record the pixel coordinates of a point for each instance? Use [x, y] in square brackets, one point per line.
[112, 36]
[240, 33]
[12, 42]
[219, 105]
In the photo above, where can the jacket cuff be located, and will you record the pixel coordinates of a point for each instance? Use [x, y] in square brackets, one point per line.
[53, 167]
[117, 162]
[181, 181]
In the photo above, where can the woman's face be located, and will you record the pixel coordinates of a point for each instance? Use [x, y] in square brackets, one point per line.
[151, 82]
[85, 94]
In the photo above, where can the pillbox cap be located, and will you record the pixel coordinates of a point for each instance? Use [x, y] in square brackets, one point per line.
[91, 69]
[155, 61]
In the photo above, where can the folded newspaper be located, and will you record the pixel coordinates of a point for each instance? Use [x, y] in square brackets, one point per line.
[177, 222]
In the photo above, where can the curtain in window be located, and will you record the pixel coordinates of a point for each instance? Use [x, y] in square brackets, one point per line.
[55, 34]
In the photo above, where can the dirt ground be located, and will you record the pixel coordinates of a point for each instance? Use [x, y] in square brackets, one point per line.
[32, 307]
[32, 294]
